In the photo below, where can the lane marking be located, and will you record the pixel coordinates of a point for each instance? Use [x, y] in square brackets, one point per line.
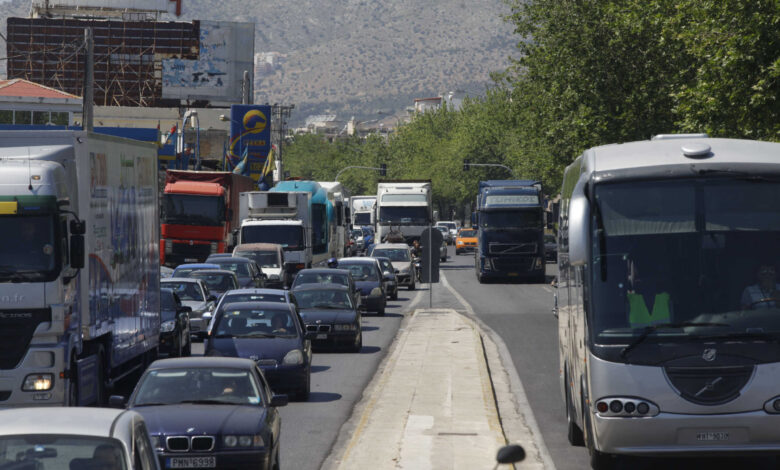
[517, 385]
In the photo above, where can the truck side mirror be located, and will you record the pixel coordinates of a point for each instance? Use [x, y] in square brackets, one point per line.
[77, 251]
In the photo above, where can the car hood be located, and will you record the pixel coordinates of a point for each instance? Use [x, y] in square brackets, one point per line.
[191, 419]
[195, 305]
[313, 315]
[399, 265]
[365, 287]
[269, 271]
[255, 348]
[468, 239]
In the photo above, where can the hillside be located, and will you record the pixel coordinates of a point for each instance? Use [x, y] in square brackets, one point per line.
[355, 57]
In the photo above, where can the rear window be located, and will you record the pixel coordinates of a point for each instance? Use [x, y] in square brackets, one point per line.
[468, 233]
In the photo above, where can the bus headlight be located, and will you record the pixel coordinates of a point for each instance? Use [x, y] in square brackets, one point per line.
[617, 407]
[38, 382]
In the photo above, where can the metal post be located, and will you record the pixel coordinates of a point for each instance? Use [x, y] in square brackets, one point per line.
[430, 265]
[245, 88]
[88, 97]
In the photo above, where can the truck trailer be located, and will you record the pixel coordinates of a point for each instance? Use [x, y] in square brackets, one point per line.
[80, 279]
[363, 212]
[199, 214]
[510, 222]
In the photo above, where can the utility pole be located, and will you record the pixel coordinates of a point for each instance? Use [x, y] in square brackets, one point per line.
[280, 114]
[88, 96]
[245, 88]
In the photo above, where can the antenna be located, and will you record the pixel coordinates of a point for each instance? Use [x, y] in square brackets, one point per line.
[29, 170]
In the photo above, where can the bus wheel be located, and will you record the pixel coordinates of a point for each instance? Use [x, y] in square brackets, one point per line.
[574, 433]
[598, 460]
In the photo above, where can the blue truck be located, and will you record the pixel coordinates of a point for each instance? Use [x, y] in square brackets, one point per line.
[79, 274]
[510, 222]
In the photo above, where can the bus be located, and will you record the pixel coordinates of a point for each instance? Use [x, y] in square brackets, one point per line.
[668, 305]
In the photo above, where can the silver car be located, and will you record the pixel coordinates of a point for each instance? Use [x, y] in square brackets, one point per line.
[401, 256]
[75, 438]
[193, 293]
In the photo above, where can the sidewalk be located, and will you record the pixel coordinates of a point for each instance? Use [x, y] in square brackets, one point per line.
[433, 405]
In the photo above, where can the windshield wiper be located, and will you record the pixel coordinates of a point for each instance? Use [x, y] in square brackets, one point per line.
[206, 402]
[256, 334]
[649, 329]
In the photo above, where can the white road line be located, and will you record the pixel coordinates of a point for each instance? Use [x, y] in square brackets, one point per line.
[415, 301]
[547, 289]
[517, 385]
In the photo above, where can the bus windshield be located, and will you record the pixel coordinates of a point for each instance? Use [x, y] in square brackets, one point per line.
[683, 259]
[511, 219]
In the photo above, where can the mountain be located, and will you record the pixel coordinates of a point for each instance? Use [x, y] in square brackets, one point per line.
[361, 57]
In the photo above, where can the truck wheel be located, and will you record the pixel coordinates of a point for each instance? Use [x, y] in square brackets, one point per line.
[100, 393]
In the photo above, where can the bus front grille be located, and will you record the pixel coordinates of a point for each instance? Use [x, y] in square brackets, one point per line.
[710, 385]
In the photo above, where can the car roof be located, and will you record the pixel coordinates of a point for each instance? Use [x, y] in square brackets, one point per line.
[202, 361]
[391, 245]
[321, 286]
[197, 265]
[324, 271]
[173, 280]
[82, 421]
[214, 271]
[360, 260]
[254, 304]
[257, 290]
[232, 259]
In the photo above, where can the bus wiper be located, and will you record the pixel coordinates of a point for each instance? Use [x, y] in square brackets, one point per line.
[649, 329]
[744, 335]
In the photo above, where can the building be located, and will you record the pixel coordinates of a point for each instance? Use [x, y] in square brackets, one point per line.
[422, 105]
[24, 102]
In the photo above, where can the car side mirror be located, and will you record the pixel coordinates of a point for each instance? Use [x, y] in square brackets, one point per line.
[185, 308]
[279, 400]
[211, 298]
[77, 251]
[117, 401]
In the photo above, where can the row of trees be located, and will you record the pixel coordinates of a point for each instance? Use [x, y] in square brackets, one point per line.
[588, 73]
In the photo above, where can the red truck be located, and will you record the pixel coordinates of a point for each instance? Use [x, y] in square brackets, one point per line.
[199, 213]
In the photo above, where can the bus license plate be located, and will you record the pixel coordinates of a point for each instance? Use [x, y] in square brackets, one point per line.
[191, 462]
[712, 436]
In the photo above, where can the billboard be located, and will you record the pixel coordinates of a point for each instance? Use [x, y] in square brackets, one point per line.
[226, 49]
[163, 6]
[250, 139]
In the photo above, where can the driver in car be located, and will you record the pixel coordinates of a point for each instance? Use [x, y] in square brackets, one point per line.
[765, 293]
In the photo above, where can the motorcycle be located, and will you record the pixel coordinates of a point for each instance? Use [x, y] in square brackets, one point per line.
[417, 261]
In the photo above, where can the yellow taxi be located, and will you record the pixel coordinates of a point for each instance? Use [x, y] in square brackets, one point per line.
[466, 240]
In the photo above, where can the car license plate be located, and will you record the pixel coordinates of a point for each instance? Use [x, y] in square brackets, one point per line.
[191, 260]
[322, 336]
[712, 436]
[191, 462]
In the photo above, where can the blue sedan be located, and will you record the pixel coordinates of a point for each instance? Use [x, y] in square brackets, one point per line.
[209, 412]
[269, 333]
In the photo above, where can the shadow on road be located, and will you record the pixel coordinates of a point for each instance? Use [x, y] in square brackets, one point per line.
[370, 349]
[369, 328]
[315, 369]
[323, 397]
[392, 315]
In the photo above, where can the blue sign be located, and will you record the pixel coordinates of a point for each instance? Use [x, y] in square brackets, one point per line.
[250, 138]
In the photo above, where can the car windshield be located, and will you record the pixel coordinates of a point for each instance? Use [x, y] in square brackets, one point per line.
[320, 278]
[240, 268]
[549, 239]
[185, 290]
[45, 451]
[196, 384]
[233, 298]
[394, 254]
[216, 282]
[324, 298]
[403, 215]
[255, 322]
[387, 266]
[265, 259]
[362, 218]
[684, 252]
[467, 233]
[362, 271]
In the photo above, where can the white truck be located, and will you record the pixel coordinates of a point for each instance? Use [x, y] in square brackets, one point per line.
[405, 206]
[339, 199]
[363, 211]
[79, 265]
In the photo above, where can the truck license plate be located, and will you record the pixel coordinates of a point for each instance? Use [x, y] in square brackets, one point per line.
[191, 462]
[712, 436]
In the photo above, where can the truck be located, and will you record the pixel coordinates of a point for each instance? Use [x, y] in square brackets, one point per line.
[510, 222]
[362, 211]
[295, 214]
[339, 198]
[80, 274]
[199, 214]
[404, 206]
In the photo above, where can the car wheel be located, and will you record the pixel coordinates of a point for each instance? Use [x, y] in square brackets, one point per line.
[276, 465]
[457, 252]
[395, 295]
[381, 311]
[443, 259]
[177, 347]
[303, 394]
[358, 343]
[188, 348]
[411, 286]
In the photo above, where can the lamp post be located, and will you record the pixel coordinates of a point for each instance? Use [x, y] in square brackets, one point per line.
[225, 118]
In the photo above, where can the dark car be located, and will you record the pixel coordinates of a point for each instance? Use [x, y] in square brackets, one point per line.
[218, 281]
[389, 277]
[367, 274]
[327, 275]
[174, 325]
[269, 333]
[247, 271]
[550, 248]
[195, 294]
[183, 270]
[255, 295]
[211, 412]
[330, 315]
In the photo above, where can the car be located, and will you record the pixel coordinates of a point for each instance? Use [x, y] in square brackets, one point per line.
[214, 256]
[253, 295]
[388, 277]
[327, 275]
[174, 325]
[75, 438]
[165, 271]
[270, 258]
[193, 293]
[443, 251]
[183, 270]
[550, 247]
[249, 274]
[218, 281]
[367, 274]
[212, 412]
[452, 226]
[270, 333]
[466, 240]
[330, 316]
[446, 235]
[401, 256]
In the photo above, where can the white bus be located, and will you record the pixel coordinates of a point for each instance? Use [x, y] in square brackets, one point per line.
[668, 305]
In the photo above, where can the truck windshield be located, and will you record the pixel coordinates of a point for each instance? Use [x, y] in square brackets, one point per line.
[264, 259]
[188, 209]
[698, 254]
[414, 215]
[511, 219]
[28, 248]
[362, 218]
[289, 236]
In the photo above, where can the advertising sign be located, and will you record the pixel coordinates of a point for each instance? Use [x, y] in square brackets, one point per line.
[250, 139]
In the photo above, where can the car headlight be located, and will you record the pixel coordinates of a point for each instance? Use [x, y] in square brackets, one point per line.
[460, 242]
[293, 357]
[345, 327]
[376, 291]
[157, 442]
[38, 382]
[167, 326]
[230, 441]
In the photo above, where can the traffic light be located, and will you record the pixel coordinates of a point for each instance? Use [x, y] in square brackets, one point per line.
[383, 169]
[466, 165]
